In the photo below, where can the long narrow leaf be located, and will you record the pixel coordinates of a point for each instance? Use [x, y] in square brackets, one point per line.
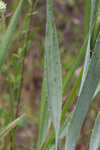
[69, 76]
[95, 137]
[64, 128]
[66, 106]
[72, 95]
[8, 37]
[97, 90]
[5, 131]
[87, 15]
[85, 98]
[67, 80]
[87, 58]
[53, 70]
[44, 117]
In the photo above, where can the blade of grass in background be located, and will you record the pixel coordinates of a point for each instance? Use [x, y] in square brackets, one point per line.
[97, 90]
[87, 58]
[87, 15]
[72, 95]
[53, 71]
[6, 130]
[44, 117]
[95, 137]
[9, 35]
[95, 32]
[64, 129]
[69, 76]
[85, 98]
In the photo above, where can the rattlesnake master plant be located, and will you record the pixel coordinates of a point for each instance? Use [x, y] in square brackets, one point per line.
[2, 7]
[96, 25]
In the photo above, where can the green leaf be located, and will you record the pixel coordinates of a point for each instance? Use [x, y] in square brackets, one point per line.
[64, 129]
[69, 76]
[6, 130]
[53, 71]
[85, 98]
[95, 137]
[9, 35]
[27, 22]
[97, 90]
[96, 25]
[44, 117]
[87, 15]
[72, 95]
[87, 57]
[66, 106]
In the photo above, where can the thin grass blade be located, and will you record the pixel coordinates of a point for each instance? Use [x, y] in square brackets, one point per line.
[72, 95]
[97, 90]
[69, 76]
[87, 15]
[95, 137]
[87, 57]
[44, 117]
[64, 129]
[9, 35]
[6, 130]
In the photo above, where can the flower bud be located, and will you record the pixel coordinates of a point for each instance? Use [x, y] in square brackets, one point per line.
[2, 6]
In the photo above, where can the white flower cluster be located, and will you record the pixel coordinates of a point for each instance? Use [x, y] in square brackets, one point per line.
[2, 6]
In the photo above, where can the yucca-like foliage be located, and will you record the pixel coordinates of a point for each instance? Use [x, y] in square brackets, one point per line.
[90, 80]
[89, 84]
[52, 114]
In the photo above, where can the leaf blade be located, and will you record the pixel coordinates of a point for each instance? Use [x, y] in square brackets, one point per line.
[95, 137]
[53, 70]
[85, 98]
[87, 57]
[6, 130]
[44, 117]
[8, 36]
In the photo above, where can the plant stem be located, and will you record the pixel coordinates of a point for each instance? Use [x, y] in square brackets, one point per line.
[23, 67]
[33, 7]
[3, 22]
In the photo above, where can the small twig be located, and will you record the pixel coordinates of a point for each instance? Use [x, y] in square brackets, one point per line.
[23, 63]
[21, 84]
